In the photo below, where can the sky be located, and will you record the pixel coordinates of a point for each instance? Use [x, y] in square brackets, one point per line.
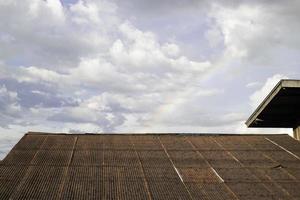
[199, 66]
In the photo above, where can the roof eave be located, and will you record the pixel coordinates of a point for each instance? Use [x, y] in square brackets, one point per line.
[251, 120]
[284, 83]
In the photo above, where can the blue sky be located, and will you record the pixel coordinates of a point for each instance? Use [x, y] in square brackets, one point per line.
[141, 66]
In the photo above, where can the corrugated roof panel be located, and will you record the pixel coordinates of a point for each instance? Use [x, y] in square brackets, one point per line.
[168, 190]
[280, 156]
[146, 142]
[260, 143]
[19, 157]
[196, 191]
[161, 173]
[175, 142]
[121, 158]
[117, 142]
[233, 143]
[53, 157]
[297, 153]
[10, 177]
[253, 159]
[187, 159]
[287, 143]
[272, 174]
[79, 189]
[110, 174]
[12, 172]
[154, 159]
[210, 191]
[294, 172]
[199, 175]
[133, 190]
[7, 188]
[277, 191]
[88, 158]
[224, 163]
[40, 183]
[59, 142]
[30, 142]
[89, 142]
[122, 173]
[123, 183]
[84, 173]
[83, 183]
[292, 188]
[217, 155]
[217, 191]
[236, 175]
[204, 142]
[250, 190]
[151, 167]
[284, 158]
[220, 159]
[110, 190]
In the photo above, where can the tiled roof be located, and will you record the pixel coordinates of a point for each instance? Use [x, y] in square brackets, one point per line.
[151, 166]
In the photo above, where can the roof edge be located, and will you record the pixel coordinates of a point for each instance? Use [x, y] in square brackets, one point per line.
[196, 134]
[292, 83]
[283, 83]
[265, 102]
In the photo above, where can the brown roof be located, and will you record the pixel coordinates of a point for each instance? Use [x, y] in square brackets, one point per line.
[151, 166]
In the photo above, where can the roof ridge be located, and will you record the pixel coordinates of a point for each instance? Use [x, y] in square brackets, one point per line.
[197, 134]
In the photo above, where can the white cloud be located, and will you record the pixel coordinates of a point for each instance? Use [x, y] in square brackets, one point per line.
[237, 26]
[85, 67]
[171, 49]
[140, 51]
[36, 74]
[259, 32]
[10, 109]
[44, 33]
[91, 12]
[9, 102]
[105, 114]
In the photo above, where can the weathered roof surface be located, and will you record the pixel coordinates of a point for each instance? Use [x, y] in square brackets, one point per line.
[281, 108]
[148, 166]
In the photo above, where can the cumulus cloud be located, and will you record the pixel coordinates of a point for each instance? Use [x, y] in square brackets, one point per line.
[96, 66]
[9, 106]
[141, 51]
[104, 111]
[258, 31]
[9, 101]
[48, 34]
[89, 65]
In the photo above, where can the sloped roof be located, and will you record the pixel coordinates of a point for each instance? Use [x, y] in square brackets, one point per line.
[280, 108]
[151, 166]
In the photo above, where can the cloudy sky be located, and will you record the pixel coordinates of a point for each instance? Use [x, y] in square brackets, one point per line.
[140, 65]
